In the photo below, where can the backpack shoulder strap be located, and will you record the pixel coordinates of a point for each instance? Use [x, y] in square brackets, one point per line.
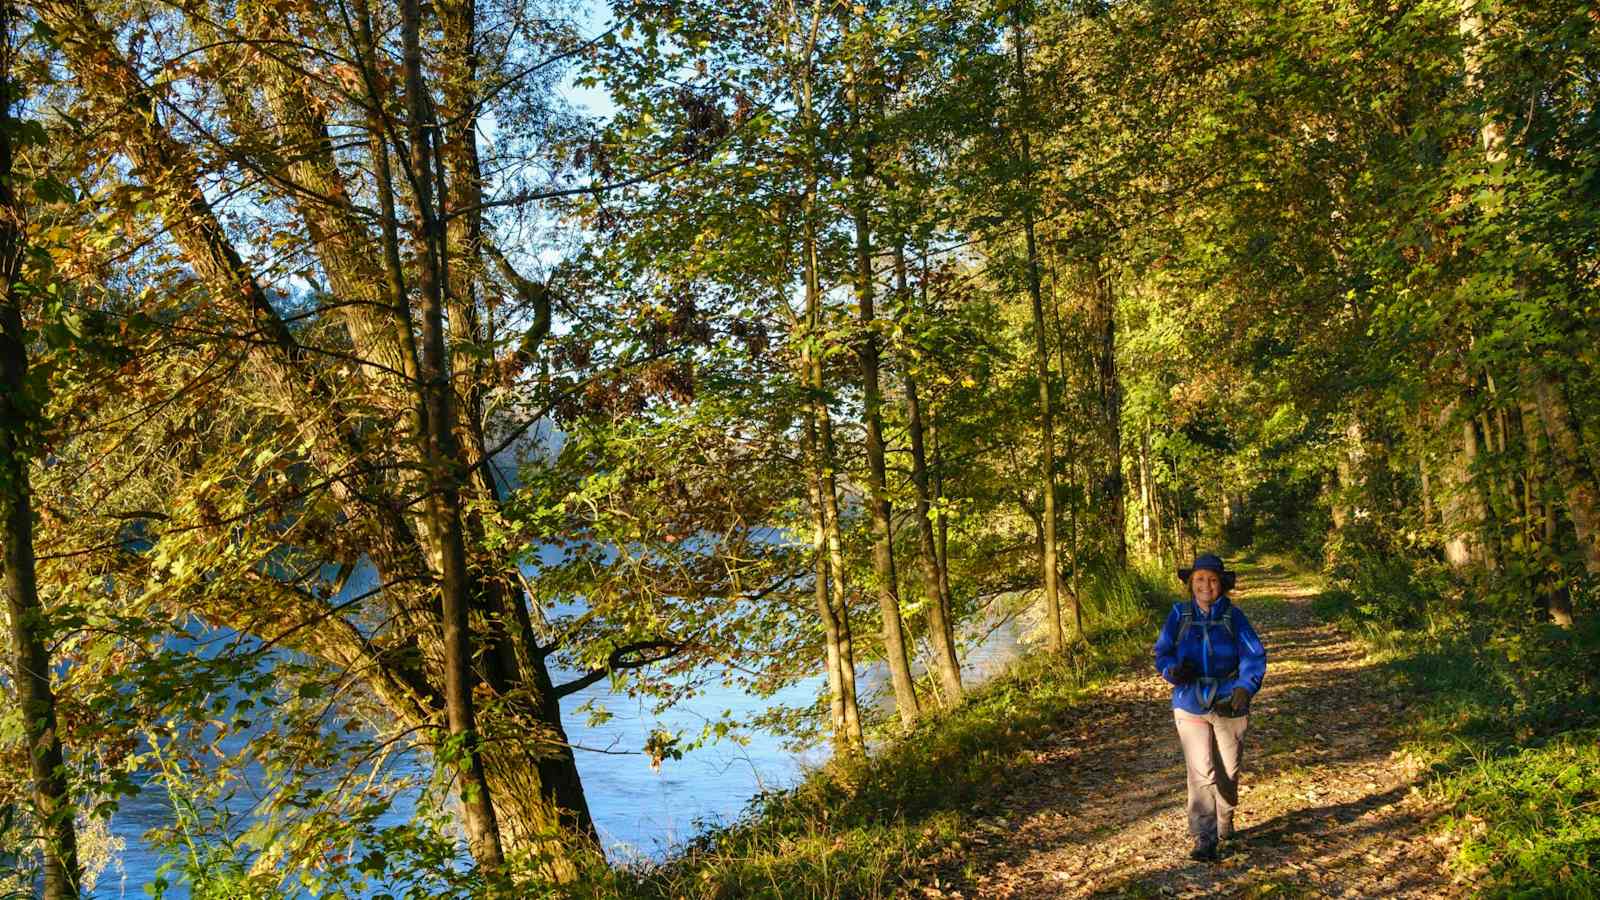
[1186, 613]
[1227, 621]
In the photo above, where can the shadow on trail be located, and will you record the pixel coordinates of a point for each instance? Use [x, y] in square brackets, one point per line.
[1280, 828]
[1099, 812]
[1345, 855]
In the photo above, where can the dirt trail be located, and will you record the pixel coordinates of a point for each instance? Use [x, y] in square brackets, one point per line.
[1326, 806]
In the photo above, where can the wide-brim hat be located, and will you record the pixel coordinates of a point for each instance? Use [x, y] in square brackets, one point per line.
[1211, 563]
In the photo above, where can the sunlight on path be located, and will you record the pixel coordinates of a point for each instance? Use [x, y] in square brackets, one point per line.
[1326, 806]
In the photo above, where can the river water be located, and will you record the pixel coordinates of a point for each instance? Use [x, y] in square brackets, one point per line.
[640, 812]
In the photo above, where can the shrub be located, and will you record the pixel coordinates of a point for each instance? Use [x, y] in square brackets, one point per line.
[1374, 585]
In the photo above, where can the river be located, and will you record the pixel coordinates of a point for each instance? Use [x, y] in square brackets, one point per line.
[640, 812]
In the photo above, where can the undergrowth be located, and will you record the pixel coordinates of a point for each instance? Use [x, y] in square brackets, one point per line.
[1506, 713]
[855, 827]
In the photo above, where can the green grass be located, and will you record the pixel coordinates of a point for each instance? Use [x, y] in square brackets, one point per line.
[1531, 817]
[1507, 716]
[857, 827]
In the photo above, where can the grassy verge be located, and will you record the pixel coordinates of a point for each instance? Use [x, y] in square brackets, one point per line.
[1507, 716]
[858, 827]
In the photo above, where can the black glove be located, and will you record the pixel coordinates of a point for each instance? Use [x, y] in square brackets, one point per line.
[1185, 672]
[1240, 702]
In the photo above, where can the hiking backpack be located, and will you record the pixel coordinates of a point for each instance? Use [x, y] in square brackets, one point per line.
[1188, 620]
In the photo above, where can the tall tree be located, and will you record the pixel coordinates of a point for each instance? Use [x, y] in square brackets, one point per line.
[443, 456]
[941, 618]
[863, 112]
[1050, 571]
[1112, 487]
[21, 401]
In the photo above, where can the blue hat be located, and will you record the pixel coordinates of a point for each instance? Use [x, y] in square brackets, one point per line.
[1211, 563]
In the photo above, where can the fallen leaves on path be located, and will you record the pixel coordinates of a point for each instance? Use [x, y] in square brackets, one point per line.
[1328, 806]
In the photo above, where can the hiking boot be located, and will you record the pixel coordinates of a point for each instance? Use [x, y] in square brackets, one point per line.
[1204, 851]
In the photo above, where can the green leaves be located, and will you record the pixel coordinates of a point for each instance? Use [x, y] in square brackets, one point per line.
[49, 190]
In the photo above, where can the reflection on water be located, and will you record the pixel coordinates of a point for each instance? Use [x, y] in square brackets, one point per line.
[640, 812]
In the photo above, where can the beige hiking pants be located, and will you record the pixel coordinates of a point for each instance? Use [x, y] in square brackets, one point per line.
[1212, 746]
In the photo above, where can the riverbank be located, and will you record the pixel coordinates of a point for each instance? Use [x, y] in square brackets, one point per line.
[873, 827]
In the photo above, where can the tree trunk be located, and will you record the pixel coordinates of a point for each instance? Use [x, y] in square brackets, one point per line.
[843, 703]
[1144, 495]
[894, 640]
[867, 353]
[1068, 461]
[308, 172]
[1111, 484]
[1158, 526]
[819, 570]
[499, 611]
[1425, 486]
[831, 594]
[1049, 569]
[830, 626]
[1580, 488]
[828, 488]
[1180, 534]
[444, 461]
[818, 447]
[1466, 548]
[941, 630]
[458, 159]
[1542, 530]
[1460, 511]
[30, 627]
[30, 632]
[1349, 471]
[936, 484]
[531, 776]
[1075, 583]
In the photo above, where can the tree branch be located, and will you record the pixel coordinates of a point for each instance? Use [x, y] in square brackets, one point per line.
[619, 661]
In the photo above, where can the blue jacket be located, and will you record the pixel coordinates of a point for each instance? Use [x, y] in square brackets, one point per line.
[1224, 662]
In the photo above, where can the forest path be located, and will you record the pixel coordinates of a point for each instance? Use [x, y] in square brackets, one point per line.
[1325, 809]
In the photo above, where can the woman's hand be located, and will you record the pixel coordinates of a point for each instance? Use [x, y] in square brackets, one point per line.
[1185, 672]
[1240, 701]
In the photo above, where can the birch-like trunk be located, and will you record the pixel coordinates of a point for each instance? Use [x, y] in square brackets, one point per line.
[1349, 473]
[845, 709]
[1461, 513]
[941, 530]
[1580, 488]
[1144, 500]
[942, 522]
[817, 443]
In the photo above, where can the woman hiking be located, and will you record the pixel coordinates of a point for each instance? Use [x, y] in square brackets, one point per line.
[1215, 662]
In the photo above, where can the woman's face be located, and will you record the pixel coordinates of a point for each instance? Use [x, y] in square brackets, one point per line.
[1205, 585]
